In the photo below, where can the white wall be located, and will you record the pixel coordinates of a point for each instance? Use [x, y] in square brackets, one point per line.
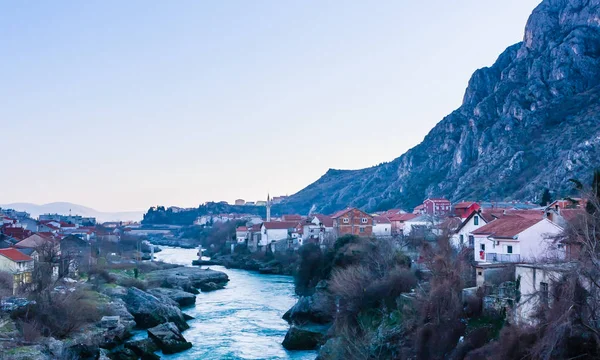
[531, 277]
[415, 222]
[382, 230]
[269, 235]
[467, 229]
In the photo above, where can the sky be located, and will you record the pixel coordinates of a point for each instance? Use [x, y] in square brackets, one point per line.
[123, 105]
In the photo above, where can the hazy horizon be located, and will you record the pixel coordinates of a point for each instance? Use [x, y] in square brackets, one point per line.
[122, 106]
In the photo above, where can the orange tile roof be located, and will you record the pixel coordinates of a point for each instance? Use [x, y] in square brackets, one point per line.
[507, 226]
[14, 255]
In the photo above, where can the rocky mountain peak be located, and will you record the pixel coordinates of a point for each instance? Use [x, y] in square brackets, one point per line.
[529, 121]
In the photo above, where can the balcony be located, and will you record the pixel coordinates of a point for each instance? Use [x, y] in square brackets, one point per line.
[502, 258]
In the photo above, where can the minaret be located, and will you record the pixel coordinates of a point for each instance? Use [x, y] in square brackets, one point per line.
[268, 207]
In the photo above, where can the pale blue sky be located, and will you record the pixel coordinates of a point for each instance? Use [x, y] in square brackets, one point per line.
[122, 105]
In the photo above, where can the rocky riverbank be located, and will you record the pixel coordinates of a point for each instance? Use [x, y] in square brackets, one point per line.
[153, 303]
[252, 262]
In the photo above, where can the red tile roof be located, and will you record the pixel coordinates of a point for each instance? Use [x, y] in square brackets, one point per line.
[340, 213]
[571, 215]
[280, 225]
[241, 228]
[489, 215]
[530, 214]
[507, 226]
[403, 217]
[14, 255]
[382, 220]
[437, 199]
[464, 204]
[327, 221]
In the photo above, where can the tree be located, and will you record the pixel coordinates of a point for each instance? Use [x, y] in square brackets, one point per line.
[546, 198]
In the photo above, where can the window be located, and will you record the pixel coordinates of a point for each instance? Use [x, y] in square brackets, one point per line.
[364, 220]
[482, 247]
[471, 240]
[462, 239]
[544, 293]
[476, 220]
[346, 220]
[509, 249]
[479, 273]
[362, 229]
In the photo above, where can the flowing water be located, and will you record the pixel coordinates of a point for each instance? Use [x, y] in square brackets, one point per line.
[242, 321]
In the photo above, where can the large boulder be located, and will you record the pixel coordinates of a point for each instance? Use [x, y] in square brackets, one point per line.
[211, 286]
[180, 297]
[318, 308]
[307, 337]
[185, 278]
[168, 338]
[144, 348]
[150, 311]
[117, 307]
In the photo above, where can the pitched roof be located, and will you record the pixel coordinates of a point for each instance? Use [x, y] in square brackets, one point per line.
[489, 215]
[327, 221]
[280, 225]
[571, 215]
[381, 220]
[14, 255]
[437, 199]
[292, 217]
[530, 214]
[403, 217]
[241, 228]
[507, 227]
[340, 213]
[33, 241]
[464, 204]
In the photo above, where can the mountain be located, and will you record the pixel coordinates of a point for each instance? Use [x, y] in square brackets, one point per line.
[65, 207]
[528, 122]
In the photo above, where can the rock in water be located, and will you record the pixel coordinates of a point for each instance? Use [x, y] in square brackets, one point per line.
[180, 297]
[305, 337]
[528, 122]
[144, 348]
[149, 311]
[168, 338]
[211, 286]
[185, 278]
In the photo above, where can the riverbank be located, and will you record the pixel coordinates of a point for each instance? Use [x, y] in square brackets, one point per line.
[242, 321]
[278, 264]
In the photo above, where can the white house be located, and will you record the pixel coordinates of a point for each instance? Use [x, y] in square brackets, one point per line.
[241, 234]
[273, 231]
[421, 221]
[462, 236]
[18, 264]
[513, 238]
[536, 282]
[382, 226]
[317, 228]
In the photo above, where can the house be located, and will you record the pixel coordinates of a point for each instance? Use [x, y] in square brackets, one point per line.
[398, 221]
[419, 209]
[462, 237]
[572, 203]
[77, 254]
[535, 288]
[254, 237]
[273, 231]
[352, 221]
[418, 226]
[240, 202]
[35, 241]
[382, 227]
[514, 238]
[437, 207]
[18, 264]
[241, 234]
[317, 229]
[16, 232]
[464, 208]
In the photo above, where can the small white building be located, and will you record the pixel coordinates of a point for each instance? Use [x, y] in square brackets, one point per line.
[241, 234]
[274, 231]
[462, 237]
[18, 264]
[513, 238]
[419, 222]
[382, 227]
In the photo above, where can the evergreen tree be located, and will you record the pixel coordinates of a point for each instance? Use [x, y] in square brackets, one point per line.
[546, 197]
[595, 193]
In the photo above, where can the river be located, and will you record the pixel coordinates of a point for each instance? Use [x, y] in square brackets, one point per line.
[242, 321]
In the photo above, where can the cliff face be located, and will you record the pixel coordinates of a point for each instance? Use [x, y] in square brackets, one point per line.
[532, 120]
